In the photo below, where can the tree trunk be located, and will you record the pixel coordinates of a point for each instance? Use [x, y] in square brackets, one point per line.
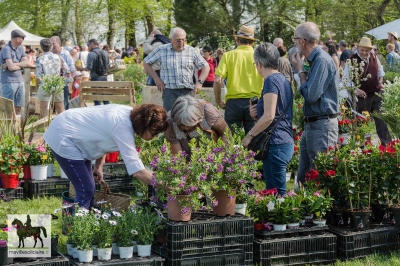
[150, 24]
[36, 22]
[381, 10]
[130, 38]
[111, 7]
[65, 8]
[78, 23]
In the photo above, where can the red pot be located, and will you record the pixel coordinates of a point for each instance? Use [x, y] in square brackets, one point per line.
[258, 226]
[27, 172]
[112, 157]
[9, 181]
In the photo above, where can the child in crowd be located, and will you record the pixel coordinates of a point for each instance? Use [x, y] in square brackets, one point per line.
[76, 86]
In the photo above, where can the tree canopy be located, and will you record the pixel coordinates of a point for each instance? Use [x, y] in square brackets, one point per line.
[205, 21]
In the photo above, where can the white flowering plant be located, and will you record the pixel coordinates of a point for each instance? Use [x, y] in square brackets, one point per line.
[279, 210]
[107, 227]
[85, 227]
[146, 224]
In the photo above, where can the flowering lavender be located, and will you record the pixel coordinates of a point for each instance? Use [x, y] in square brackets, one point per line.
[220, 168]
[203, 177]
[170, 198]
[163, 149]
[154, 199]
[243, 181]
[185, 210]
[215, 203]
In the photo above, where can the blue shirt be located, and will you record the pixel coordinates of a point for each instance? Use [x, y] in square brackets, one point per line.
[278, 84]
[8, 52]
[67, 58]
[177, 68]
[320, 92]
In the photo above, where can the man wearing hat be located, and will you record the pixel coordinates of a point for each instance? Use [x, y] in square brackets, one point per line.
[212, 63]
[243, 80]
[392, 37]
[367, 99]
[14, 59]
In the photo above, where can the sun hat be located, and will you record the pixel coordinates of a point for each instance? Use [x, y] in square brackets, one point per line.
[246, 33]
[76, 74]
[394, 34]
[365, 42]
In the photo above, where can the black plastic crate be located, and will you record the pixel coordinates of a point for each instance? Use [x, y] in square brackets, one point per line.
[213, 260]
[118, 184]
[52, 186]
[59, 260]
[10, 194]
[316, 249]
[379, 239]
[301, 231]
[115, 169]
[152, 260]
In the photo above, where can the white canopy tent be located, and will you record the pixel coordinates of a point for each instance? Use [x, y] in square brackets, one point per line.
[30, 39]
[381, 32]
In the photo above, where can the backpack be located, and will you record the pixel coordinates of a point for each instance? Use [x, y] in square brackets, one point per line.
[101, 66]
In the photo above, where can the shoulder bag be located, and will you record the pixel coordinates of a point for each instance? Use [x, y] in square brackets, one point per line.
[260, 143]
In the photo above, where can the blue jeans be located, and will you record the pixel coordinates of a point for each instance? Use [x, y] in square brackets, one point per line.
[317, 137]
[237, 112]
[79, 172]
[66, 97]
[150, 81]
[101, 78]
[275, 164]
[14, 91]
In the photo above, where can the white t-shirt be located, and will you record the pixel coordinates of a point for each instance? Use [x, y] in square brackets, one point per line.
[84, 55]
[91, 132]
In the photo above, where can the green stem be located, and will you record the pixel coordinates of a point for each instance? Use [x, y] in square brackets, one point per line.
[370, 184]
[347, 184]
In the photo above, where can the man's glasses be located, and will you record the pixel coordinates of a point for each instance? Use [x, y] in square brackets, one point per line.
[298, 38]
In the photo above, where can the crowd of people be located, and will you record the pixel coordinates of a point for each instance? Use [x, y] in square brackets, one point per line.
[260, 82]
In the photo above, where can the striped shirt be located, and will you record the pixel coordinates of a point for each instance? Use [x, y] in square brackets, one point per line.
[320, 92]
[177, 68]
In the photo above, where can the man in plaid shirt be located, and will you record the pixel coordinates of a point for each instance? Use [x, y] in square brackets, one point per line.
[179, 63]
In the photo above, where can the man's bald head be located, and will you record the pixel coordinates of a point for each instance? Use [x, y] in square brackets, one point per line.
[278, 42]
[308, 31]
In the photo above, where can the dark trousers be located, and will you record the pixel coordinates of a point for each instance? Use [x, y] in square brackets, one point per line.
[237, 111]
[66, 97]
[169, 96]
[374, 104]
[79, 172]
[102, 78]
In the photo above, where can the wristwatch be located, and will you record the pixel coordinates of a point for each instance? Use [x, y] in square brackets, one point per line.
[250, 134]
[200, 81]
[302, 71]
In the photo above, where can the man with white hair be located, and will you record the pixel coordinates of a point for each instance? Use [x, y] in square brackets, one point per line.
[319, 88]
[278, 42]
[179, 62]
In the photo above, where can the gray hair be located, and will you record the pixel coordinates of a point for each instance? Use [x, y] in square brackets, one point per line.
[291, 52]
[175, 30]
[267, 54]
[277, 41]
[309, 31]
[187, 111]
[56, 39]
[46, 45]
[343, 43]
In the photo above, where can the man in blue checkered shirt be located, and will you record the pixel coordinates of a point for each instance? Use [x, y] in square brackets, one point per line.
[179, 63]
[319, 87]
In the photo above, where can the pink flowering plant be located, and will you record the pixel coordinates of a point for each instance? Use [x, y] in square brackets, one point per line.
[176, 176]
[35, 154]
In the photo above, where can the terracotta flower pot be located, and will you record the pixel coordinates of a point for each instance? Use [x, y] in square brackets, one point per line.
[226, 203]
[175, 212]
[258, 226]
[9, 181]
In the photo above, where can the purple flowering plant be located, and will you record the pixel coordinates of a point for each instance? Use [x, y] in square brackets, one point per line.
[176, 176]
[36, 154]
[228, 166]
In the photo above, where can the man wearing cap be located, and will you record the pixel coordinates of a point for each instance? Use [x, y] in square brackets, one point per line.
[179, 62]
[367, 98]
[212, 63]
[392, 37]
[319, 88]
[14, 59]
[128, 52]
[243, 80]
[48, 64]
[67, 58]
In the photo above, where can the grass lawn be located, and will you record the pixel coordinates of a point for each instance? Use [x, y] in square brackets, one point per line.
[49, 204]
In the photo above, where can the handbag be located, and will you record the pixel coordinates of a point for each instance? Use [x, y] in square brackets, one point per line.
[260, 143]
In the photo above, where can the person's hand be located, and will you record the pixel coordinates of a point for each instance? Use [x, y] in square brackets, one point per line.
[222, 105]
[297, 61]
[160, 84]
[361, 93]
[246, 141]
[197, 88]
[98, 175]
[253, 111]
